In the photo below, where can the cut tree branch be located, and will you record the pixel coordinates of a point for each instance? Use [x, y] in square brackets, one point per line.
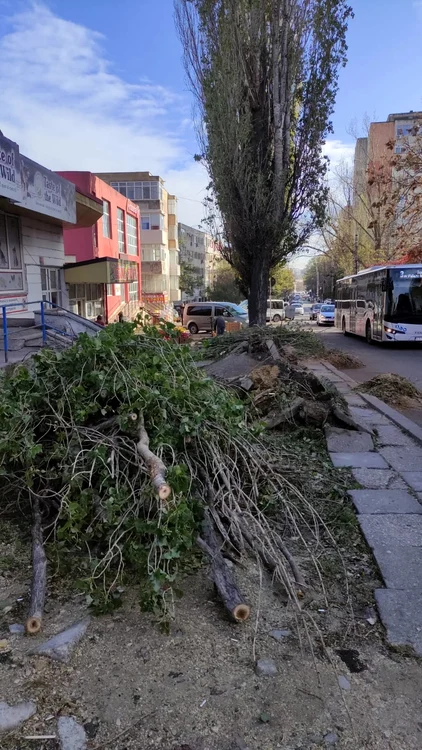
[39, 573]
[156, 467]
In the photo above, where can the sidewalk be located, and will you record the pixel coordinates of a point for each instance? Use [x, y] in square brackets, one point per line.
[388, 467]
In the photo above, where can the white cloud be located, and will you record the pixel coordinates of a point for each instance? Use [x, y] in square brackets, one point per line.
[338, 152]
[62, 102]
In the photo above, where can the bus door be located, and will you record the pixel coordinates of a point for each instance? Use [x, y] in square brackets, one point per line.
[379, 296]
[353, 299]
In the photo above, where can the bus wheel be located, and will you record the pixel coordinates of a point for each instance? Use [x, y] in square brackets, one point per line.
[343, 327]
[368, 333]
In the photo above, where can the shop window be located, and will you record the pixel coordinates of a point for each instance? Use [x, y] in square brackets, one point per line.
[11, 275]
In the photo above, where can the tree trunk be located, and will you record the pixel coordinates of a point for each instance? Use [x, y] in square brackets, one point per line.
[257, 302]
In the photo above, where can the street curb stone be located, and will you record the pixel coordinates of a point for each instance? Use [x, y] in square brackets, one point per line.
[383, 502]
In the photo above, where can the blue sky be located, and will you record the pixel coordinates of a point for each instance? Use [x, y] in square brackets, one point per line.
[90, 84]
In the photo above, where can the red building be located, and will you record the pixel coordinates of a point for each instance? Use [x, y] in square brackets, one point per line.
[103, 269]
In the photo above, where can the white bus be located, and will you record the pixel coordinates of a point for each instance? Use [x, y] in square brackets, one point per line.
[382, 303]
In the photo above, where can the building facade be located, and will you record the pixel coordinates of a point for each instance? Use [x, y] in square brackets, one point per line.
[105, 275]
[36, 205]
[381, 195]
[159, 237]
[198, 250]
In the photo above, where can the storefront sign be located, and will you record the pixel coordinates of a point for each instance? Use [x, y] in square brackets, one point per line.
[17, 304]
[46, 192]
[30, 185]
[10, 180]
[155, 299]
[123, 272]
[132, 209]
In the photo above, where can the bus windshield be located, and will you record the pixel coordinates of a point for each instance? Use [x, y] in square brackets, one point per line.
[404, 296]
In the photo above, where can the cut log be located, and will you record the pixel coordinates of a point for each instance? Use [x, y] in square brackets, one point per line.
[39, 574]
[221, 574]
[156, 467]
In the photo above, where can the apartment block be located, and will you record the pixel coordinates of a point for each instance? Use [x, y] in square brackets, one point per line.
[198, 249]
[159, 237]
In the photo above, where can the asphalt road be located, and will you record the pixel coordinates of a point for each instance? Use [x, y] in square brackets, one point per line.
[404, 359]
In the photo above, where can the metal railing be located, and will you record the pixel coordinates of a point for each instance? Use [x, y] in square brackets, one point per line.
[44, 306]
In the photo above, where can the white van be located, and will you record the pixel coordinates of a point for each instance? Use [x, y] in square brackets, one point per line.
[275, 310]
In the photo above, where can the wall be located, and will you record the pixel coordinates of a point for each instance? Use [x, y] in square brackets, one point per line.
[42, 245]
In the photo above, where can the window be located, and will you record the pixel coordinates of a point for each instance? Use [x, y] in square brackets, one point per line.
[10, 254]
[399, 150]
[132, 235]
[157, 221]
[106, 219]
[121, 230]
[50, 285]
[95, 234]
[145, 222]
[140, 191]
[196, 310]
[133, 291]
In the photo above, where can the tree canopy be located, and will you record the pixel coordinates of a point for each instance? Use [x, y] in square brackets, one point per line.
[264, 74]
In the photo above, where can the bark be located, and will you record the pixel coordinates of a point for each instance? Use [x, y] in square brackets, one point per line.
[221, 574]
[257, 301]
[156, 467]
[39, 574]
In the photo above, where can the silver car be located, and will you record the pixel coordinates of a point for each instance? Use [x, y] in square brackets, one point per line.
[326, 315]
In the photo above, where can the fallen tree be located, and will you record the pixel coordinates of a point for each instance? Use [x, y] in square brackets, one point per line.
[124, 449]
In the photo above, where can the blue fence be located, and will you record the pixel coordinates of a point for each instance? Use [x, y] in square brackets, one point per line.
[43, 306]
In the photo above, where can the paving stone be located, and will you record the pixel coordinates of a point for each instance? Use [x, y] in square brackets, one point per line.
[401, 614]
[348, 441]
[379, 479]
[13, 716]
[419, 496]
[370, 416]
[359, 460]
[60, 646]
[400, 566]
[392, 530]
[385, 501]
[266, 668]
[72, 735]
[413, 479]
[403, 458]
[389, 434]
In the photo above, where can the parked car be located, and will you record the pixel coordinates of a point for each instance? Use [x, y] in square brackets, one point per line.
[299, 309]
[201, 316]
[325, 317]
[314, 311]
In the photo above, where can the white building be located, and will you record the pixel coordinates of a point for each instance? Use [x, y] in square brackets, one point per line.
[35, 205]
[198, 250]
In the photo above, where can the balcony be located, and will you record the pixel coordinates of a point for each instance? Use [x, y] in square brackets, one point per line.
[152, 267]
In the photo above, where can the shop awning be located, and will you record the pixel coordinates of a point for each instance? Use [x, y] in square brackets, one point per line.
[101, 271]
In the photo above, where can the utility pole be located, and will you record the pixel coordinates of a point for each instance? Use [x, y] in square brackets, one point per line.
[317, 276]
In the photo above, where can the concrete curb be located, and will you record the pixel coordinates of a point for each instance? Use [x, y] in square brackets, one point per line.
[401, 421]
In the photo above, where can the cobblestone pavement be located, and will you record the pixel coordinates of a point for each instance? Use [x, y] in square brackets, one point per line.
[388, 468]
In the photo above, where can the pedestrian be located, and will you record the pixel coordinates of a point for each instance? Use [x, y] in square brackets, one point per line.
[220, 325]
[100, 321]
[121, 318]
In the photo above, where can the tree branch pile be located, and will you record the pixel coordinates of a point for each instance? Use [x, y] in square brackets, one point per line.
[126, 458]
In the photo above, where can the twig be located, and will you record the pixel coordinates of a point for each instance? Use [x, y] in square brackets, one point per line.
[124, 733]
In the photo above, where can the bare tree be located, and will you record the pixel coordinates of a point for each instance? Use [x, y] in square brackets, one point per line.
[264, 74]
